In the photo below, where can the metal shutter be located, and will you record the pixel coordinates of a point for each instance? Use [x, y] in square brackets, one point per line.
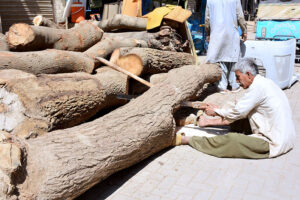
[16, 11]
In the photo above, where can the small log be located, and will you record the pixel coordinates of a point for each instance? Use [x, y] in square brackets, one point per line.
[122, 22]
[46, 62]
[153, 61]
[3, 43]
[107, 45]
[43, 21]
[23, 37]
[66, 163]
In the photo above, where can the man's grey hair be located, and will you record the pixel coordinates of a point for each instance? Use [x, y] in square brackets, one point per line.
[246, 65]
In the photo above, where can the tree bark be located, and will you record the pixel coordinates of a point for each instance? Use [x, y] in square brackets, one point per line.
[42, 21]
[47, 62]
[48, 102]
[139, 35]
[3, 43]
[23, 37]
[114, 83]
[107, 45]
[166, 39]
[65, 163]
[122, 22]
[153, 61]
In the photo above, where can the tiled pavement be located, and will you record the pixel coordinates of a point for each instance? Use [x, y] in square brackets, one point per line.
[184, 173]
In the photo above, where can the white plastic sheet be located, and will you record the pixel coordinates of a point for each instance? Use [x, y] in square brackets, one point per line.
[278, 58]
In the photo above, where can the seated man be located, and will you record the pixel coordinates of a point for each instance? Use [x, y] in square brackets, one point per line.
[269, 114]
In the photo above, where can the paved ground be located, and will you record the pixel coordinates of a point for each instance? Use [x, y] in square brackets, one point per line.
[184, 173]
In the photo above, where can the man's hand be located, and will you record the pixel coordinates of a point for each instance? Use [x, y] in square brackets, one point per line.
[209, 110]
[244, 36]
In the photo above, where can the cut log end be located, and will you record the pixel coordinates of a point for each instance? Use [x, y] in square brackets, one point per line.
[11, 110]
[37, 20]
[20, 35]
[131, 63]
[115, 56]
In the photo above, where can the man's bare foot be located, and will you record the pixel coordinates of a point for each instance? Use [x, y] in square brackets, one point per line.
[185, 140]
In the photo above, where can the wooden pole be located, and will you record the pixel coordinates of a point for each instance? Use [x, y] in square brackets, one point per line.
[0, 25]
[116, 67]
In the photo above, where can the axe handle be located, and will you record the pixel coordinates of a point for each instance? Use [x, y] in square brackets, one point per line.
[116, 67]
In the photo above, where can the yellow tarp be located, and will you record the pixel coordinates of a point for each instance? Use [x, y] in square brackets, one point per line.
[170, 12]
[178, 14]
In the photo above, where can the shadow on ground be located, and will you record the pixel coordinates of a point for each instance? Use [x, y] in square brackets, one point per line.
[104, 189]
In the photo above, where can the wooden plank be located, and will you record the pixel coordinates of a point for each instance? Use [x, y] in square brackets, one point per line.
[178, 14]
[189, 36]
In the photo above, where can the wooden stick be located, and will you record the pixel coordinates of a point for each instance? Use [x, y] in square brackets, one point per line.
[116, 67]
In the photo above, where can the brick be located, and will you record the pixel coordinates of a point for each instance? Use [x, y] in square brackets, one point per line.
[220, 194]
[254, 187]
[202, 194]
[167, 182]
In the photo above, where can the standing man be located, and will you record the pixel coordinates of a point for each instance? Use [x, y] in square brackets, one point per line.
[264, 106]
[222, 18]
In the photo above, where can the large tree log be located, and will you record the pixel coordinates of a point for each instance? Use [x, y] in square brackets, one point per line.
[153, 61]
[43, 21]
[3, 43]
[65, 163]
[32, 105]
[121, 22]
[48, 102]
[47, 62]
[107, 45]
[23, 37]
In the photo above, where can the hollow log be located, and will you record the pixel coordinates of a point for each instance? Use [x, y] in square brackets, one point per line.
[153, 61]
[43, 21]
[23, 37]
[65, 163]
[3, 43]
[49, 61]
[122, 22]
[107, 45]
